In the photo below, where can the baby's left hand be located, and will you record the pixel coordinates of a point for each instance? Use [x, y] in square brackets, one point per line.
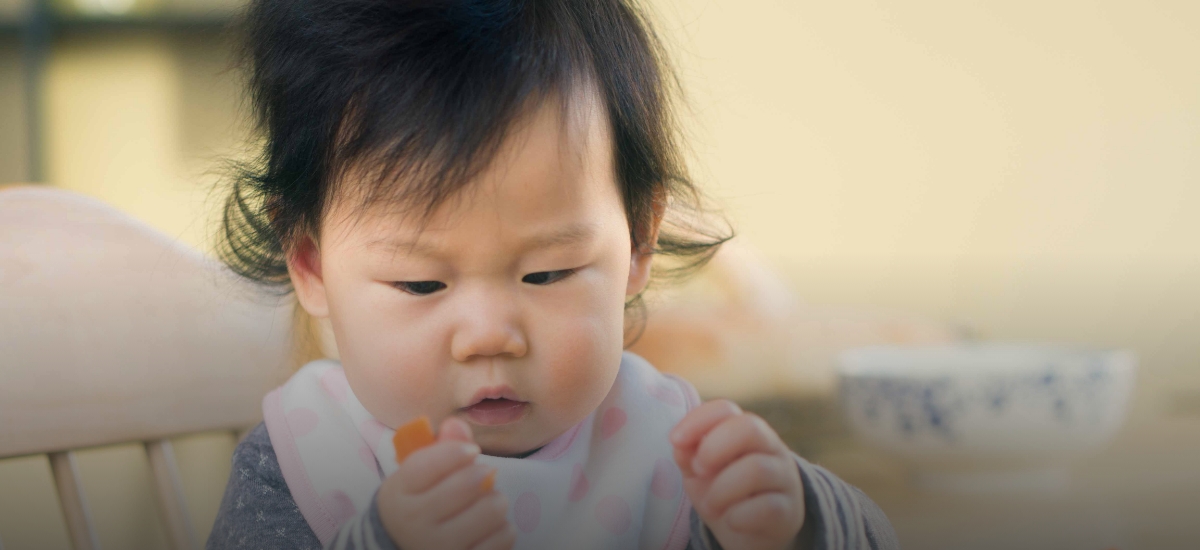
[740, 476]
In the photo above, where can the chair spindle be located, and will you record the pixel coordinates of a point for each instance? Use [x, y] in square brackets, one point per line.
[74, 504]
[168, 490]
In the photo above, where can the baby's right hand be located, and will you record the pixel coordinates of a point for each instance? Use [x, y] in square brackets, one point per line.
[439, 498]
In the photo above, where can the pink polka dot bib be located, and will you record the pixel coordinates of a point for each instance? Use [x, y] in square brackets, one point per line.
[608, 482]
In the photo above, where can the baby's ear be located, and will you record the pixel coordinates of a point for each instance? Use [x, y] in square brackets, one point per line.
[304, 267]
[642, 254]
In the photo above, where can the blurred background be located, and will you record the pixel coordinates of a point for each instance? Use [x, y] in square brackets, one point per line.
[1007, 170]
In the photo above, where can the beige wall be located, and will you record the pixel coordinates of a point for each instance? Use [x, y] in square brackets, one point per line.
[143, 121]
[1029, 168]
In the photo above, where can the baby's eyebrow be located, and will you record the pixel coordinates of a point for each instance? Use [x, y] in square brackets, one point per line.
[572, 234]
[566, 236]
[395, 245]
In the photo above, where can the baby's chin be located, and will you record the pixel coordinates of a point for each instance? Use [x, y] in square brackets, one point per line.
[512, 441]
[507, 445]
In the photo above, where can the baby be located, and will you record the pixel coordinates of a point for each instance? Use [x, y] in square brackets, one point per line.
[472, 193]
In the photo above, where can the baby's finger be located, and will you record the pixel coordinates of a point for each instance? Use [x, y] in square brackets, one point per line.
[688, 432]
[428, 466]
[749, 475]
[768, 514]
[478, 522]
[457, 492]
[455, 429]
[732, 438]
[504, 539]
[683, 459]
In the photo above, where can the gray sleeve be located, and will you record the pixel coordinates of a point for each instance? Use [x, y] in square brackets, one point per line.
[258, 510]
[838, 516]
[701, 538]
[842, 517]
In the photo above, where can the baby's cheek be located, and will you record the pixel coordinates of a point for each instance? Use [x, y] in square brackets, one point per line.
[398, 380]
[580, 365]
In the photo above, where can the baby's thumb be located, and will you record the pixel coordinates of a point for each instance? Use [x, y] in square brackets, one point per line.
[455, 429]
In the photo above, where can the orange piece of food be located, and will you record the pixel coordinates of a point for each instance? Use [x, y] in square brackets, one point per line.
[412, 436]
[489, 481]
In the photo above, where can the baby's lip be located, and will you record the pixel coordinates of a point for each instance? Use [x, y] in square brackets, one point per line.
[495, 406]
[494, 392]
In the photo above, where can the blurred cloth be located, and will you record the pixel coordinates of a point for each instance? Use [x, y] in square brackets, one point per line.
[739, 332]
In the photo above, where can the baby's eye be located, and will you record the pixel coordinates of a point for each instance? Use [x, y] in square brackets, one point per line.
[547, 277]
[420, 288]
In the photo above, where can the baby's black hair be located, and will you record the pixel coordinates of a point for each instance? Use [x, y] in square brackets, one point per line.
[423, 91]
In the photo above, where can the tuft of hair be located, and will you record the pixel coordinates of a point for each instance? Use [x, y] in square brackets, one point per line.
[423, 91]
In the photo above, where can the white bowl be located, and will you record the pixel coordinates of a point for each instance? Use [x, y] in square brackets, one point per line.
[982, 416]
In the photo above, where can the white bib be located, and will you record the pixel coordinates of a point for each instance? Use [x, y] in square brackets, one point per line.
[608, 482]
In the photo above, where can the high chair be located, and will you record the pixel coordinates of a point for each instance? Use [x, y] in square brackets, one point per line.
[111, 332]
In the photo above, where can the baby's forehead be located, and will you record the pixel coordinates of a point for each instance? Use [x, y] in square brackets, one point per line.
[477, 229]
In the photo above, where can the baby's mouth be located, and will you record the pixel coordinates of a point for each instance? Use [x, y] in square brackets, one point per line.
[495, 406]
[496, 412]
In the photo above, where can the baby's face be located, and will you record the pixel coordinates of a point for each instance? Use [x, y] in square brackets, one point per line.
[505, 308]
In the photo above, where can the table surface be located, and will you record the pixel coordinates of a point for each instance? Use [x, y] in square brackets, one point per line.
[1140, 492]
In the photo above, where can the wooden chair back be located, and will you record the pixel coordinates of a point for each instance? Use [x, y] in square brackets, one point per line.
[111, 332]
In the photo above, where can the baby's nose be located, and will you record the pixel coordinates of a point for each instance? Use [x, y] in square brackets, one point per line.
[488, 329]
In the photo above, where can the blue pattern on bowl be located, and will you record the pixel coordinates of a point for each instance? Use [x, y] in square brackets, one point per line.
[935, 404]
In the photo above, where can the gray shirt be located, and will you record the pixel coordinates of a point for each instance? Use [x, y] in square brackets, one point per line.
[258, 511]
